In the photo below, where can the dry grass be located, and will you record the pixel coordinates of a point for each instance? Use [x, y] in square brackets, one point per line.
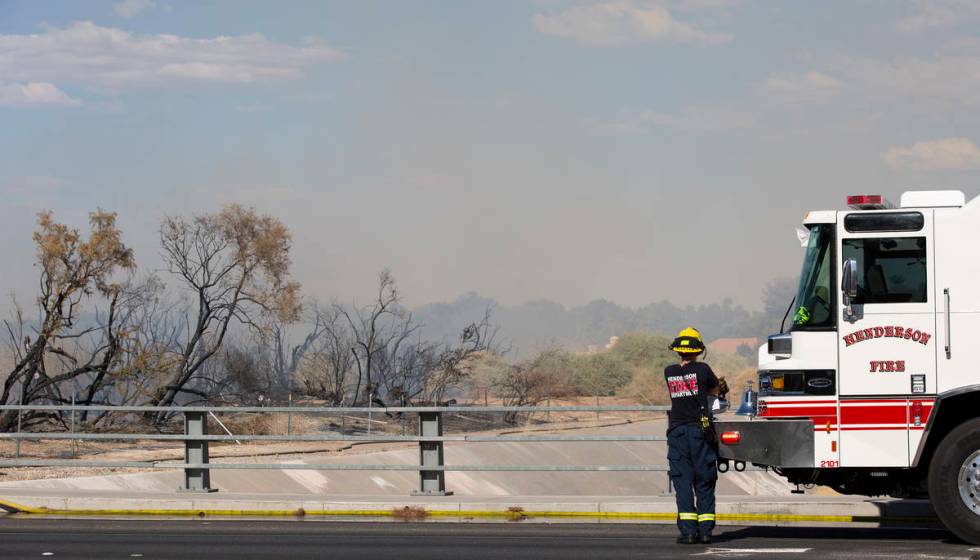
[269, 424]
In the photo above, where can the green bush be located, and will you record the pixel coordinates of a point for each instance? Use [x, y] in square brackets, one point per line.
[600, 374]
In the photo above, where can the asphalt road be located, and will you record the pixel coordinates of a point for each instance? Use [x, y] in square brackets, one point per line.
[106, 539]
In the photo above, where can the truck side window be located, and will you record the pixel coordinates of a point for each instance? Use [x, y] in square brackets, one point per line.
[890, 269]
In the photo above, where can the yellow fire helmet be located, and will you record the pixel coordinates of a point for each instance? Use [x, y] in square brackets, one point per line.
[688, 341]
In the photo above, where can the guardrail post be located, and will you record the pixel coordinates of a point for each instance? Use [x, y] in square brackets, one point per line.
[431, 483]
[196, 452]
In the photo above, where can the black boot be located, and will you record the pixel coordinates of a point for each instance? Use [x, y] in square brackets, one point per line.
[706, 539]
[687, 539]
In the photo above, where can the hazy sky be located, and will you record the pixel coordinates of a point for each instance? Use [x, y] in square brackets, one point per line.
[627, 150]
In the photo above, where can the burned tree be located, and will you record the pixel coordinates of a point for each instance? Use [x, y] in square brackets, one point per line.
[394, 363]
[286, 356]
[326, 367]
[73, 270]
[370, 331]
[411, 369]
[234, 267]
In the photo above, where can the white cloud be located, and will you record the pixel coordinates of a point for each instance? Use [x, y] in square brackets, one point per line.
[132, 8]
[33, 94]
[948, 154]
[934, 14]
[620, 23]
[104, 57]
[920, 86]
[811, 87]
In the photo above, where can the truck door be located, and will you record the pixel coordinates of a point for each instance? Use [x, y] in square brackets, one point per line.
[887, 346]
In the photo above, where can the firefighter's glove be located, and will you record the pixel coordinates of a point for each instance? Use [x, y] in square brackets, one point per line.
[705, 422]
[722, 387]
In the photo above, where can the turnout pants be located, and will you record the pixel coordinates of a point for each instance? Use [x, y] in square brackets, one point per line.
[693, 470]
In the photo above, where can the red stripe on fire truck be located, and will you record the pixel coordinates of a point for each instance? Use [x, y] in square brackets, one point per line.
[855, 414]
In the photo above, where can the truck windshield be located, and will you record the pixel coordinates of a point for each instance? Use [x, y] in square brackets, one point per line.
[814, 298]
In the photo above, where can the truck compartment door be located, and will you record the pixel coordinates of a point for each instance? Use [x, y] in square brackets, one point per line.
[887, 339]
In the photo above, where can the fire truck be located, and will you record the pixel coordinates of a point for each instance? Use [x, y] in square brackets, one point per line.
[873, 385]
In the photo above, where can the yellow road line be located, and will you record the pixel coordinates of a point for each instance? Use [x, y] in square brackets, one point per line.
[397, 512]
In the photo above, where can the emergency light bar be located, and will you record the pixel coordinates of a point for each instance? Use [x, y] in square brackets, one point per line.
[868, 202]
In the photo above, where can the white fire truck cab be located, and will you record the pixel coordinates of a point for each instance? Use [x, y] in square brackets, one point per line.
[875, 387]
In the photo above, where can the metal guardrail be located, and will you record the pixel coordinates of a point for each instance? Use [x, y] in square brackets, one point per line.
[326, 437]
[431, 466]
[337, 409]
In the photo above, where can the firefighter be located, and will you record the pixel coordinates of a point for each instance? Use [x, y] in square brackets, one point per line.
[691, 445]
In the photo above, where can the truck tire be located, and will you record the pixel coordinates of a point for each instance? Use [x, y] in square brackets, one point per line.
[954, 481]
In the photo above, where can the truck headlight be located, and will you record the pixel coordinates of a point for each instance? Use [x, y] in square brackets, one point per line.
[797, 382]
[765, 382]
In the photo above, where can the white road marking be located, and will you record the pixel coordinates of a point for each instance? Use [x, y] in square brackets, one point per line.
[382, 483]
[736, 552]
[314, 481]
[47, 554]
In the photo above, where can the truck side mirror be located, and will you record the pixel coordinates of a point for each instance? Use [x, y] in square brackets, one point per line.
[848, 284]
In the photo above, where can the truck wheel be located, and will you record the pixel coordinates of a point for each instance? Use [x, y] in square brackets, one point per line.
[954, 481]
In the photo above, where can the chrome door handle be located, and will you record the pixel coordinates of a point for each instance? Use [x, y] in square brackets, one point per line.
[949, 353]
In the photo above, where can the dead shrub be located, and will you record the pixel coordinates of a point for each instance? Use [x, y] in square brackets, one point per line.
[409, 513]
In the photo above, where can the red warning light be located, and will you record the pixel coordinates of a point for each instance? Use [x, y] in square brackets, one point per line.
[916, 413]
[867, 202]
[731, 438]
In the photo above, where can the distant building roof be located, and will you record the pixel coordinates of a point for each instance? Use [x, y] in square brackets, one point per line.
[730, 345]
